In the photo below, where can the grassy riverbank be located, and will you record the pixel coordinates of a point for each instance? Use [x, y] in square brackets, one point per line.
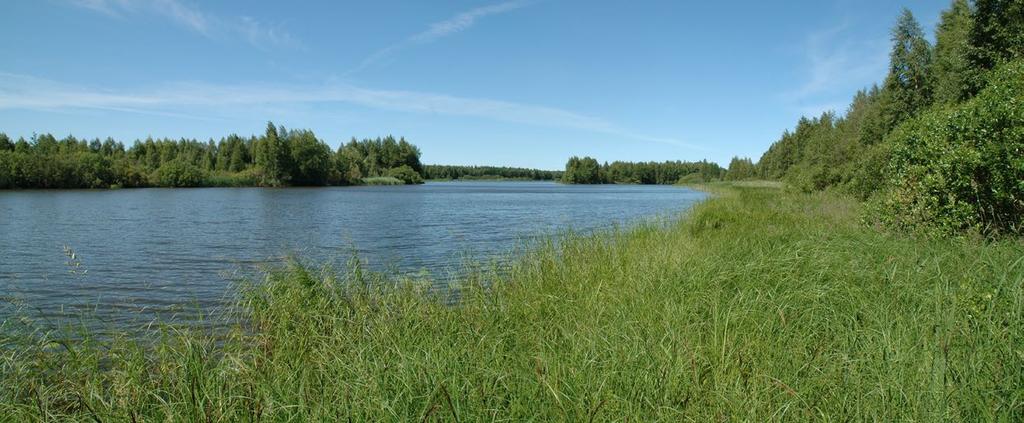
[758, 305]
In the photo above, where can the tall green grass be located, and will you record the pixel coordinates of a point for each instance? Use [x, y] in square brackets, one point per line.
[232, 179]
[758, 305]
[382, 180]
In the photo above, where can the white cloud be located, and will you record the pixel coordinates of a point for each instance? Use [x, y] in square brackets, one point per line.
[107, 7]
[264, 36]
[31, 93]
[837, 64]
[195, 20]
[455, 24]
[183, 15]
[464, 21]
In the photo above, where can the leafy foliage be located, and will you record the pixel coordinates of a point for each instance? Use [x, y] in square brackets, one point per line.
[312, 163]
[997, 34]
[935, 156]
[179, 173]
[374, 157]
[280, 157]
[273, 157]
[406, 174]
[740, 169]
[962, 168]
[584, 170]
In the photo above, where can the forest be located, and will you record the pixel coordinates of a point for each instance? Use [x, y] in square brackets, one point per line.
[281, 157]
[453, 172]
[938, 147]
[587, 170]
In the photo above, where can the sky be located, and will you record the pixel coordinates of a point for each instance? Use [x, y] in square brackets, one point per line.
[524, 83]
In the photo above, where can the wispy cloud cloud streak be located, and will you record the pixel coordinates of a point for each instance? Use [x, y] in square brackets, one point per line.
[183, 15]
[837, 63]
[193, 19]
[464, 21]
[106, 7]
[31, 93]
[437, 30]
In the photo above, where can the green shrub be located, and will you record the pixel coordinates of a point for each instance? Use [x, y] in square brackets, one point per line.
[128, 175]
[962, 168]
[178, 173]
[406, 174]
[868, 174]
[810, 177]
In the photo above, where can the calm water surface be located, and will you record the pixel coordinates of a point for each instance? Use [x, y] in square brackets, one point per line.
[158, 253]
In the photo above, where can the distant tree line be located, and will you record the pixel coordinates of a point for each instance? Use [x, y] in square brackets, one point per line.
[939, 146]
[489, 172]
[741, 169]
[587, 170]
[280, 157]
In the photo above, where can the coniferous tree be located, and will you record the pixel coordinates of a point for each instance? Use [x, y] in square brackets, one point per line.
[223, 155]
[239, 157]
[270, 157]
[907, 87]
[5, 143]
[997, 34]
[210, 156]
[22, 146]
[952, 71]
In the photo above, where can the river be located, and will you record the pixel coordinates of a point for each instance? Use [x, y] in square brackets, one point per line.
[142, 254]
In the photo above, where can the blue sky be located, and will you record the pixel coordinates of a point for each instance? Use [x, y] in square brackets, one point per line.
[519, 83]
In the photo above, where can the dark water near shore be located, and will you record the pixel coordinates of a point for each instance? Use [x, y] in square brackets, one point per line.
[165, 253]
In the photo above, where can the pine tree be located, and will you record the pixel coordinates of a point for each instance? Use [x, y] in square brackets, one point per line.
[268, 157]
[952, 71]
[907, 87]
[238, 158]
[209, 156]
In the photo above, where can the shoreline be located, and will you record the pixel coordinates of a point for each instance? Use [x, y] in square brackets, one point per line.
[755, 300]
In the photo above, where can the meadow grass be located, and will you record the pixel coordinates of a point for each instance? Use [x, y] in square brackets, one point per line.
[758, 305]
